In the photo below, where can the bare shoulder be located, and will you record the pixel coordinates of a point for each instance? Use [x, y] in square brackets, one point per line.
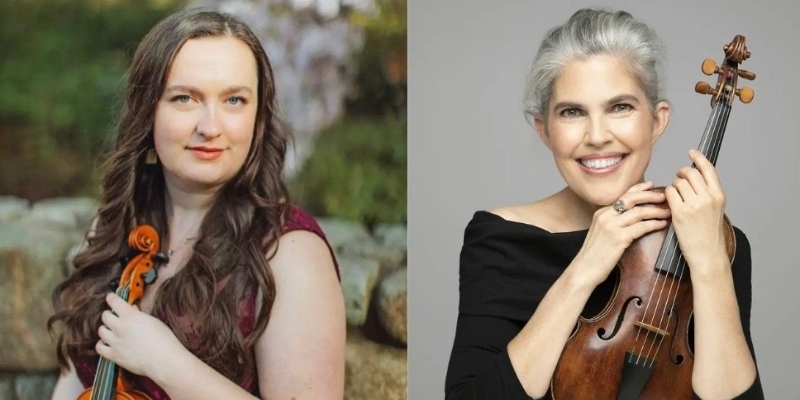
[301, 352]
[300, 252]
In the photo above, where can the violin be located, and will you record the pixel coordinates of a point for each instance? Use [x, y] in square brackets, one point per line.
[139, 271]
[638, 346]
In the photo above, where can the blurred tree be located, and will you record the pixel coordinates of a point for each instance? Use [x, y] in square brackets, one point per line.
[61, 72]
[357, 172]
[358, 168]
[381, 82]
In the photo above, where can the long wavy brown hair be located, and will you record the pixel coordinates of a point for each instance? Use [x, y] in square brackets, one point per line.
[229, 261]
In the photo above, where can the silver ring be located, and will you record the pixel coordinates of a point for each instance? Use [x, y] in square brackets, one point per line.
[619, 206]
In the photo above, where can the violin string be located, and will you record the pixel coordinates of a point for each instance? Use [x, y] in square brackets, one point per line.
[644, 315]
[105, 373]
[666, 260]
[100, 385]
[710, 147]
[704, 147]
[671, 236]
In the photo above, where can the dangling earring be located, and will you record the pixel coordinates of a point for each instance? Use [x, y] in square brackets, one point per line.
[151, 158]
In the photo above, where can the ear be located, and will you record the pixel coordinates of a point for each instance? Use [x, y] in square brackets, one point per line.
[661, 119]
[541, 129]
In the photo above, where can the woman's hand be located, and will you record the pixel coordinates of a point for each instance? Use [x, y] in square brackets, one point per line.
[134, 340]
[697, 202]
[611, 231]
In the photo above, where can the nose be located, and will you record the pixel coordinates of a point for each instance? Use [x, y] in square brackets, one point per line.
[598, 132]
[209, 125]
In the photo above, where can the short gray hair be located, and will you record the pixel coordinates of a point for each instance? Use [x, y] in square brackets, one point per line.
[593, 32]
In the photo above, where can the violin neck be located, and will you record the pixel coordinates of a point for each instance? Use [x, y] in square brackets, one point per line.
[105, 378]
[670, 259]
[711, 142]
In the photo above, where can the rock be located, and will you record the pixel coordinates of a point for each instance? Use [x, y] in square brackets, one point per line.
[343, 233]
[7, 388]
[35, 386]
[68, 213]
[31, 265]
[393, 236]
[359, 276]
[374, 371]
[351, 239]
[392, 304]
[389, 259]
[12, 208]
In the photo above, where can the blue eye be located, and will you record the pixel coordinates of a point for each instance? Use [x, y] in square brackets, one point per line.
[182, 98]
[236, 100]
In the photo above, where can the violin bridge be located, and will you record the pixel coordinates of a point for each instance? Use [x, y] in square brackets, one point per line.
[651, 328]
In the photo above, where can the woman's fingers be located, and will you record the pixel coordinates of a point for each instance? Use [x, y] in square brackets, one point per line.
[643, 213]
[644, 227]
[109, 319]
[639, 187]
[694, 178]
[706, 169]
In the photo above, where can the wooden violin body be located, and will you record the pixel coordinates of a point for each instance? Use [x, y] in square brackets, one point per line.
[119, 394]
[630, 344]
[638, 347]
[139, 271]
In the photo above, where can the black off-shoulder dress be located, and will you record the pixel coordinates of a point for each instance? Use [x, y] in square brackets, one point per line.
[506, 269]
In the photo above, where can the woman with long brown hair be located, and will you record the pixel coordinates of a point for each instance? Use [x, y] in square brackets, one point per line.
[248, 303]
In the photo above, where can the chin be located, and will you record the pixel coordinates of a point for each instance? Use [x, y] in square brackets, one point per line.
[601, 198]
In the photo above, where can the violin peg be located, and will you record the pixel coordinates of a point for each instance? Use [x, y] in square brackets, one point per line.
[704, 88]
[114, 284]
[745, 94]
[709, 66]
[747, 75]
[150, 276]
[160, 258]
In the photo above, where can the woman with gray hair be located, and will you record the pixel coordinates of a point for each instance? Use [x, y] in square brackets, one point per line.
[528, 272]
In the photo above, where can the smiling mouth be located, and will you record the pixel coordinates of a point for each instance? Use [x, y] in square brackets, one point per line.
[601, 163]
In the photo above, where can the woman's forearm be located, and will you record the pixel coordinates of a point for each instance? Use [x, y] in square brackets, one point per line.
[535, 351]
[188, 378]
[723, 365]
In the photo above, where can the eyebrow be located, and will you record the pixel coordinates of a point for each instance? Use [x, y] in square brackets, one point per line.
[194, 91]
[623, 98]
[614, 100]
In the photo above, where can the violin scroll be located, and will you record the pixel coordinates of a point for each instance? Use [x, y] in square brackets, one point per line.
[729, 72]
[140, 269]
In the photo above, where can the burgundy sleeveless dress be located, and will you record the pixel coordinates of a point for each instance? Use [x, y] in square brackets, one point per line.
[297, 220]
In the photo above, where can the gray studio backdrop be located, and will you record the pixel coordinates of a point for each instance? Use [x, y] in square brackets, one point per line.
[471, 149]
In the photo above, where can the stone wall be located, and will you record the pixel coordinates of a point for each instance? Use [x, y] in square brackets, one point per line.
[36, 240]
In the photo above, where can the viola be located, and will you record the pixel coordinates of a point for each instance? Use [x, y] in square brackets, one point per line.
[638, 346]
[108, 383]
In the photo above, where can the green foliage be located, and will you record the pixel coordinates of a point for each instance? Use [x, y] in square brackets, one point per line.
[357, 171]
[61, 73]
[381, 82]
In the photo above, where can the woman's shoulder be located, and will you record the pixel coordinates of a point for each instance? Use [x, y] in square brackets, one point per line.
[529, 215]
[298, 219]
[507, 224]
[302, 235]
